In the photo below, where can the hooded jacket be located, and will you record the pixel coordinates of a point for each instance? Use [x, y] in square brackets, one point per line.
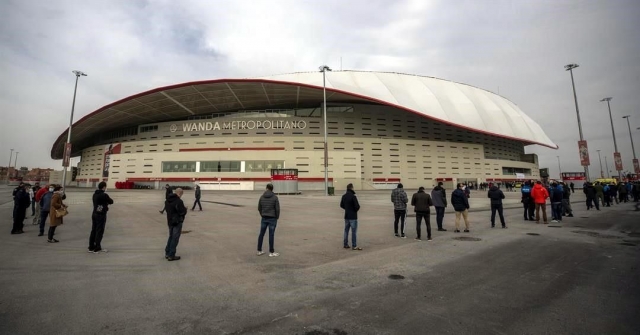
[496, 195]
[101, 202]
[175, 210]
[439, 197]
[399, 199]
[268, 205]
[539, 194]
[459, 200]
[350, 204]
[421, 201]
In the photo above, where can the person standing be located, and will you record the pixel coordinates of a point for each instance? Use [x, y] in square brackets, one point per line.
[599, 193]
[349, 203]
[54, 220]
[32, 199]
[460, 204]
[590, 192]
[572, 187]
[38, 195]
[421, 202]
[527, 201]
[566, 202]
[399, 199]
[20, 204]
[101, 202]
[496, 196]
[269, 209]
[539, 194]
[45, 207]
[197, 201]
[176, 212]
[557, 195]
[167, 193]
[439, 199]
[623, 192]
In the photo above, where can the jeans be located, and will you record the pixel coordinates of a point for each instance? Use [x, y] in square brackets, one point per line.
[399, 215]
[498, 208]
[172, 242]
[270, 223]
[97, 231]
[439, 216]
[353, 225]
[427, 220]
[556, 211]
[44, 215]
[197, 201]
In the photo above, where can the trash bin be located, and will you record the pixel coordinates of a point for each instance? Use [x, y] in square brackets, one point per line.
[331, 190]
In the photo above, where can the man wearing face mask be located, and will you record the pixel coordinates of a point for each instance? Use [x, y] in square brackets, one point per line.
[101, 202]
[44, 199]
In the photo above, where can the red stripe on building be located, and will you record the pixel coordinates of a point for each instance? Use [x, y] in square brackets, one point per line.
[234, 149]
[377, 180]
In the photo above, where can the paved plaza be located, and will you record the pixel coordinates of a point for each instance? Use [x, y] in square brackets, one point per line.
[577, 277]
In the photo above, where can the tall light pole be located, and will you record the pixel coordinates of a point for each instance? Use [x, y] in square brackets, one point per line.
[613, 132]
[67, 146]
[9, 166]
[559, 168]
[324, 69]
[600, 159]
[570, 68]
[15, 163]
[606, 162]
[633, 149]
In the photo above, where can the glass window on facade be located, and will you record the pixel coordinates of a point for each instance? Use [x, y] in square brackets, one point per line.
[262, 166]
[512, 171]
[220, 166]
[179, 166]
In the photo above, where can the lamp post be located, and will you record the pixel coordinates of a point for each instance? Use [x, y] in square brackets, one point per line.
[324, 69]
[606, 162]
[613, 132]
[73, 105]
[600, 159]
[559, 168]
[570, 67]
[633, 149]
[9, 166]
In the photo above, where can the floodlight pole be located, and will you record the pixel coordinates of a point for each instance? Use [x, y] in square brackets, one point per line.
[9, 166]
[600, 159]
[73, 105]
[633, 149]
[324, 69]
[570, 68]
[613, 132]
[606, 164]
[15, 163]
[559, 168]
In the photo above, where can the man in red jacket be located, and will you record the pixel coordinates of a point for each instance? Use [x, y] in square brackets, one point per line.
[540, 194]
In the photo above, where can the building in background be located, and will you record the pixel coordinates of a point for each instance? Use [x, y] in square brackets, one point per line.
[383, 128]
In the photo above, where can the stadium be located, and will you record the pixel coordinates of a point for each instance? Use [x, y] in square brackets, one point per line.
[383, 128]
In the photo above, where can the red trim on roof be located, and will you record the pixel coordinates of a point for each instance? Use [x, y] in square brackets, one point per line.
[268, 81]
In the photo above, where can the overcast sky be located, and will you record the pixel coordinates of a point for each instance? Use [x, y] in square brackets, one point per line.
[514, 48]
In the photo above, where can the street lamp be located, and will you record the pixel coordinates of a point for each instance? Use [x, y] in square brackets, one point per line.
[606, 163]
[324, 69]
[67, 146]
[600, 159]
[633, 149]
[9, 166]
[615, 144]
[559, 168]
[570, 68]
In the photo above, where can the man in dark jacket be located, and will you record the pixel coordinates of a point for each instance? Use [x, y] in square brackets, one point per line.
[269, 208]
[167, 192]
[399, 199]
[460, 204]
[557, 193]
[439, 198]
[197, 201]
[496, 196]
[101, 202]
[349, 203]
[571, 185]
[421, 202]
[527, 202]
[590, 192]
[176, 212]
[21, 202]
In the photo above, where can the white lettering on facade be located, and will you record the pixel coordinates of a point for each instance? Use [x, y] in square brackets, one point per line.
[241, 125]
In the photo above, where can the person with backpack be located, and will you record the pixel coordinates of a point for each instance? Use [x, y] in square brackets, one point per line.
[399, 200]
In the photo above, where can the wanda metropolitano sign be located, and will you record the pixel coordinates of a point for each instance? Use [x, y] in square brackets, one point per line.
[238, 125]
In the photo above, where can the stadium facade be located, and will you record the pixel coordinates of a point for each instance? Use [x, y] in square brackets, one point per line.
[383, 128]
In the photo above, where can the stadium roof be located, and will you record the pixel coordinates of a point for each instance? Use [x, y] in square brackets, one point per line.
[445, 101]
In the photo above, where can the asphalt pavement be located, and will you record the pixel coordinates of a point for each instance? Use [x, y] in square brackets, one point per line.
[580, 276]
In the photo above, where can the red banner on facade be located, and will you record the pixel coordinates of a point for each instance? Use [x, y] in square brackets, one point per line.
[67, 155]
[584, 153]
[636, 166]
[108, 151]
[618, 160]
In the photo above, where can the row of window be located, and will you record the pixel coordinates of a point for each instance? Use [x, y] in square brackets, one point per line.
[221, 166]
